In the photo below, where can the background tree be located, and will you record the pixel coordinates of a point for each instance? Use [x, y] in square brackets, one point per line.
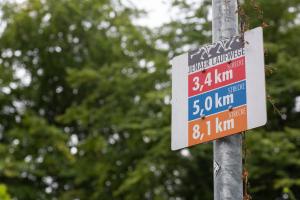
[85, 103]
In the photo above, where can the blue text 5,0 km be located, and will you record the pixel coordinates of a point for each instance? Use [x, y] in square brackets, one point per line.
[217, 100]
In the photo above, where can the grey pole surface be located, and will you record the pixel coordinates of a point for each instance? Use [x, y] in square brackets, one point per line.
[228, 183]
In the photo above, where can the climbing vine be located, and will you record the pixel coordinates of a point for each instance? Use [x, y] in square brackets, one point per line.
[244, 25]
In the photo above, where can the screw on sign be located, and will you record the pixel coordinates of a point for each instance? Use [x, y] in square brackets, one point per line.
[218, 90]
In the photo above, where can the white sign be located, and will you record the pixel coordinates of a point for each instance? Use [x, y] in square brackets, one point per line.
[218, 90]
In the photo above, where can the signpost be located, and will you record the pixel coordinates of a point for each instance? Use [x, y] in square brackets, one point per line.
[227, 159]
[218, 90]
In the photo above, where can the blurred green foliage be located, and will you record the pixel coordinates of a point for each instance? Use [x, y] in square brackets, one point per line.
[3, 193]
[85, 103]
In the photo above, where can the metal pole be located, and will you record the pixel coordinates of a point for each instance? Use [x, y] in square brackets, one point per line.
[228, 183]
